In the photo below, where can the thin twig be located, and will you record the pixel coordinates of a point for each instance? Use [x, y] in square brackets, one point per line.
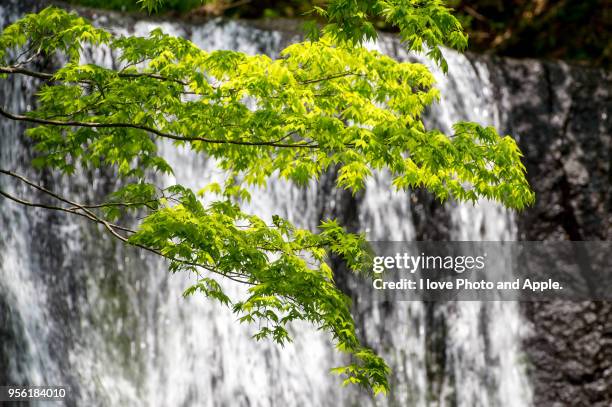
[110, 227]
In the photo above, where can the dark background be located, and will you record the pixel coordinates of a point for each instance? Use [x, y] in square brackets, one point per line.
[576, 31]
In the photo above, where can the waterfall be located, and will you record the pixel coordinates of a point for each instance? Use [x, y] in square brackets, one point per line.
[110, 322]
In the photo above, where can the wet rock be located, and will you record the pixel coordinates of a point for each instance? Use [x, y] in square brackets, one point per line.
[561, 115]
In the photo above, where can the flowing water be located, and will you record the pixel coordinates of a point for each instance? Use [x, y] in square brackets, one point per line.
[78, 309]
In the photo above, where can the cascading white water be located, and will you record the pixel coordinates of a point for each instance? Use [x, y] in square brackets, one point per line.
[133, 339]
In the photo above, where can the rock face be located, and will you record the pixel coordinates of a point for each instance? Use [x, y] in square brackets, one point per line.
[563, 117]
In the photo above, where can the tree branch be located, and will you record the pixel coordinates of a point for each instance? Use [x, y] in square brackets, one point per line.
[330, 77]
[72, 123]
[110, 227]
[128, 75]
[159, 133]
[48, 77]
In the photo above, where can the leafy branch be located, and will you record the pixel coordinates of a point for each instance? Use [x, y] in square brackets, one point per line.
[322, 103]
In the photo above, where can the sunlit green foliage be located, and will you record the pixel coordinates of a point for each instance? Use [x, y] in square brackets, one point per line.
[155, 5]
[423, 25]
[321, 104]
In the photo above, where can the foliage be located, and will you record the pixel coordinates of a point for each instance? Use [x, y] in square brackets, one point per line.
[321, 104]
